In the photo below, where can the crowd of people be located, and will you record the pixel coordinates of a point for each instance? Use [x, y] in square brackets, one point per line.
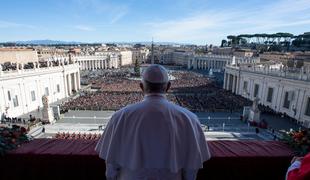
[13, 120]
[101, 101]
[182, 81]
[86, 136]
[17, 120]
[220, 101]
[189, 89]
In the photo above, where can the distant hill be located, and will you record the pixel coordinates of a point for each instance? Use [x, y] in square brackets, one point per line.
[55, 42]
[46, 42]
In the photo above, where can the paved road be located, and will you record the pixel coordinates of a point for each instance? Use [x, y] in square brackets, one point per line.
[211, 119]
[89, 122]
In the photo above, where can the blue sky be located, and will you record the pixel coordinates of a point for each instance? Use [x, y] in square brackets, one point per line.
[187, 21]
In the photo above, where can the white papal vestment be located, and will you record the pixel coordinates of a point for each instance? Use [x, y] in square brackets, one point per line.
[153, 139]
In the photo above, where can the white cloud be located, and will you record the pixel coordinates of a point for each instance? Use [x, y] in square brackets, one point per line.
[119, 16]
[109, 9]
[84, 28]
[207, 25]
[7, 24]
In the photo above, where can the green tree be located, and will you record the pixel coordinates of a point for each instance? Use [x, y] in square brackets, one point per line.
[224, 43]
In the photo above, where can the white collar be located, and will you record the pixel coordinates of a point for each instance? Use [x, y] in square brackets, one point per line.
[161, 95]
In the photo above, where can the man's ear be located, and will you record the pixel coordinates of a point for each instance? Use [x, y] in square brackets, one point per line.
[168, 86]
[141, 86]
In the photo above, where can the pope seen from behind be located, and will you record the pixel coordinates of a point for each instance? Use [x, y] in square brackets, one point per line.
[153, 139]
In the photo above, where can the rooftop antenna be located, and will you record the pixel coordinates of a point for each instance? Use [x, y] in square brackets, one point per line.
[152, 60]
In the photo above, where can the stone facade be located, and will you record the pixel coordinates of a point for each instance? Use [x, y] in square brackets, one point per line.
[18, 55]
[217, 62]
[125, 58]
[280, 90]
[21, 90]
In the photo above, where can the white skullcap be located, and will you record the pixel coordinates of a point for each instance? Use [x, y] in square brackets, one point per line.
[155, 74]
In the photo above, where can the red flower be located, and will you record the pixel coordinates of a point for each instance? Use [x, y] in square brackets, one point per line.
[23, 130]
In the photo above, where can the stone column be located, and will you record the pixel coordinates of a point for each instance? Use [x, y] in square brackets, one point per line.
[280, 96]
[194, 63]
[225, 81]
[234, 84]
[198, 64]
[78, 80]
[237, 84]
[228, 81]
[74, 81]
[210, 67]
[65, 85]
[69, 85]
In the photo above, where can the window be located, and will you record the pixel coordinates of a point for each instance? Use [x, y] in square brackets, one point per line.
[33, 96]
[256, 88]
[286, 103]
[58, 88]
[46, 91]
[308, 107]
[15, 101]
[9, 95]
[270, 95]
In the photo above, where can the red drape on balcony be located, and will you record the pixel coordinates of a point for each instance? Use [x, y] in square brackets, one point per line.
[76, 159]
